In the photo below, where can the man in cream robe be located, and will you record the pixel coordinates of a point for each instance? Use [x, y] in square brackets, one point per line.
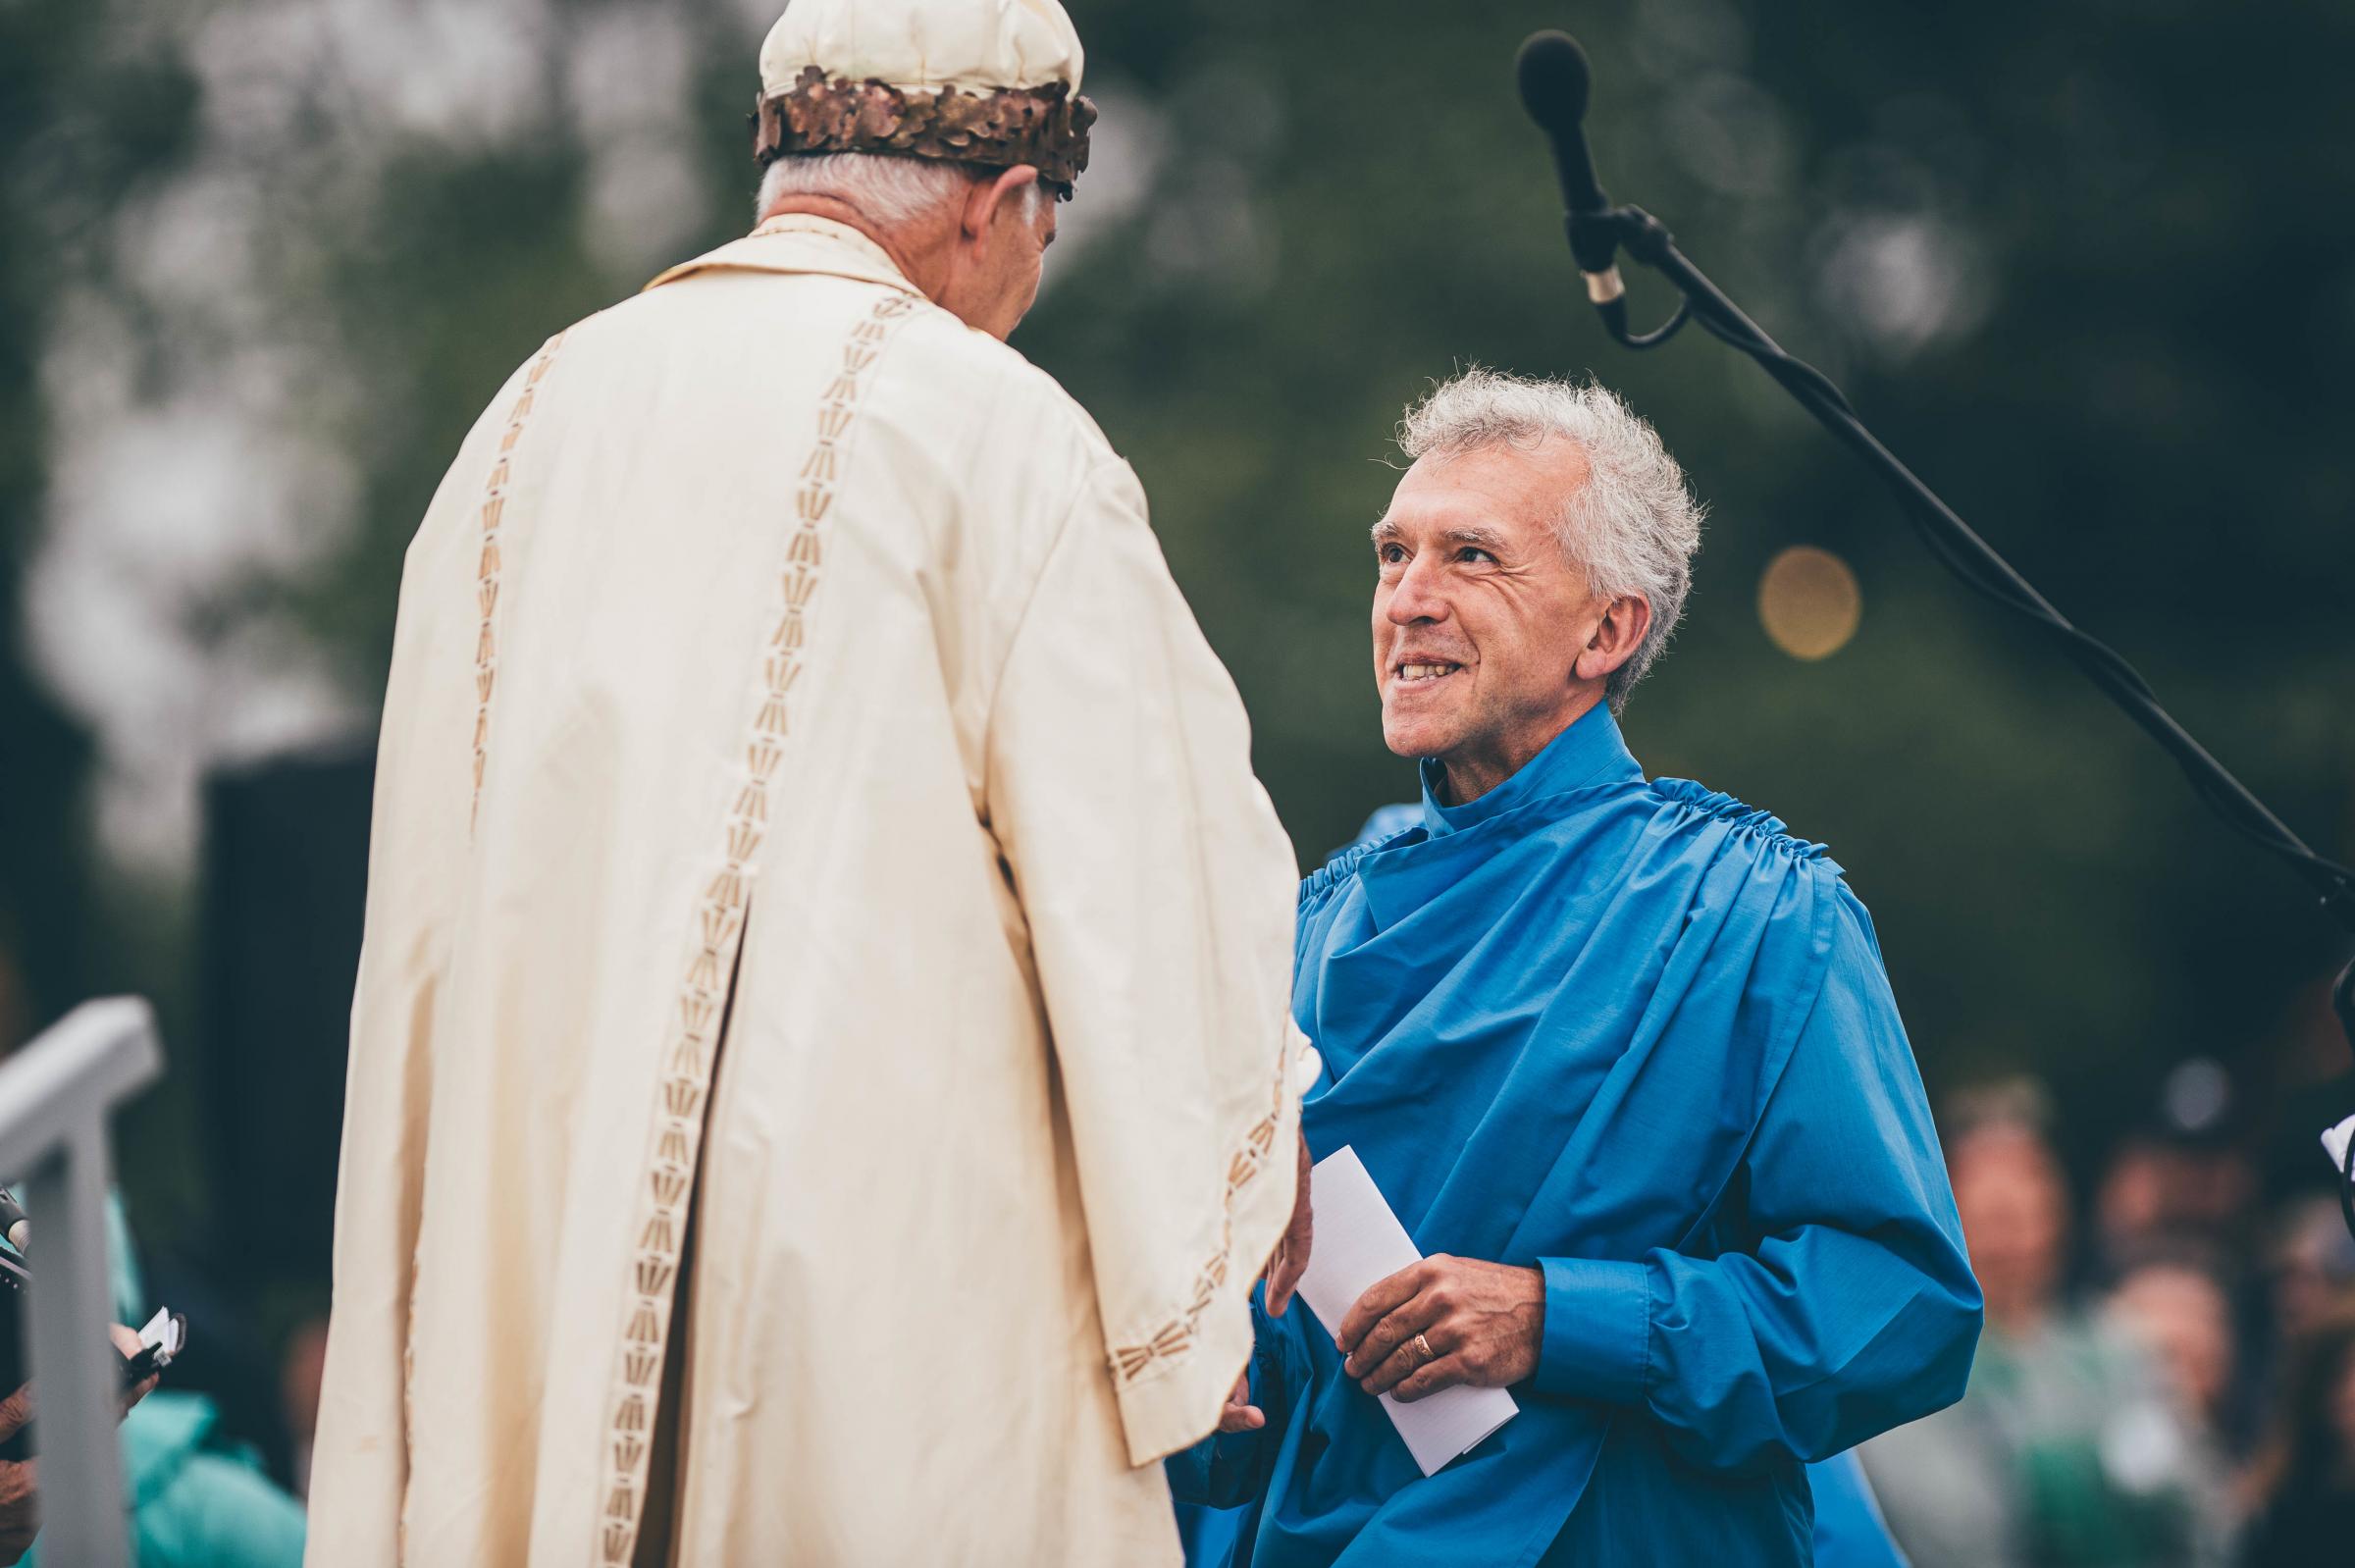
[821, 1082]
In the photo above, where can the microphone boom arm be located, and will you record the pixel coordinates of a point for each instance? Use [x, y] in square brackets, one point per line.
[1597, 234]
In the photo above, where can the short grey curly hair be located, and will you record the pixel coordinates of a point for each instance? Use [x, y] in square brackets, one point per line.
[890, 189]
[1633, 526]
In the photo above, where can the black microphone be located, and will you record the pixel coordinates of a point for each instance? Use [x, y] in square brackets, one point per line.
[1554, 82]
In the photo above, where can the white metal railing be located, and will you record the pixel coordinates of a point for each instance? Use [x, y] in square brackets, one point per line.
[56, 1095]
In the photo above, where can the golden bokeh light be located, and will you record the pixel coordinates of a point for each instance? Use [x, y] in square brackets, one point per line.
[1808, 603]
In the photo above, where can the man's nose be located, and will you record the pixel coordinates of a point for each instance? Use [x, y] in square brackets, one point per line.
[1416, 597]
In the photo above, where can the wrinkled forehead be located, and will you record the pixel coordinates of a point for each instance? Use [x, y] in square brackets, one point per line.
[1522, 491]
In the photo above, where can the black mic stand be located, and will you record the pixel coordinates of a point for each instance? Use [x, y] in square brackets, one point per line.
[1594, 234]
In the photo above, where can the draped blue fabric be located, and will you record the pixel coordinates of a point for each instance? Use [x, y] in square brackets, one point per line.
[1850, 1532]
[1634, 1034]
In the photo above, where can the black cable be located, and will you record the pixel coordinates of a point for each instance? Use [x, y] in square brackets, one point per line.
[1796, 373]
[1976, 564]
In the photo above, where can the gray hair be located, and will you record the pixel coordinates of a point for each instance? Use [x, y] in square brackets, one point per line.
[1633, 527]
[886, 188]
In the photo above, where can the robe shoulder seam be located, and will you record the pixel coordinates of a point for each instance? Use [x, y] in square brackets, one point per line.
[1761, 829]
[1342, 866]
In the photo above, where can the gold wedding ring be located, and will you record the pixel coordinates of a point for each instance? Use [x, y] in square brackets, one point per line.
[1423, 1349]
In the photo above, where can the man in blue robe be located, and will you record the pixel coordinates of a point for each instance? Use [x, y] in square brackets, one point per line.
[1619, 1053]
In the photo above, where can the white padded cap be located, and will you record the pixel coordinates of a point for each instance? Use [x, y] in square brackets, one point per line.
[977, 46]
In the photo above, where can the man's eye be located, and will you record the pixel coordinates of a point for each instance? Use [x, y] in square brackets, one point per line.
[1473, 553]
[1389, 555]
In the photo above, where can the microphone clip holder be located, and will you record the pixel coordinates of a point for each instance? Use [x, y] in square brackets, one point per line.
[1595, 239]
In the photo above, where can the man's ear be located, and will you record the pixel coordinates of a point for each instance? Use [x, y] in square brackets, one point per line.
[1624, 622]
[987, 198]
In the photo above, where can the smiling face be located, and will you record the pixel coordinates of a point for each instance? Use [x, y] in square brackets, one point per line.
[1488, 641]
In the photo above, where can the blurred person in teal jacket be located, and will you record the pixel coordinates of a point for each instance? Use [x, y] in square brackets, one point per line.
[1620, 1054]
[197, 1501]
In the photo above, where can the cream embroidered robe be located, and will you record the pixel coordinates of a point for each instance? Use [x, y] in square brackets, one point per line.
[775, 636]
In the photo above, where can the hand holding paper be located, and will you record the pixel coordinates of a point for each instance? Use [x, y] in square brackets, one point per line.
[1359, 1243]
[1442, 1322]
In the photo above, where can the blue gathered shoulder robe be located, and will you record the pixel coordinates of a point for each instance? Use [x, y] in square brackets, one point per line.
[1635, 1035]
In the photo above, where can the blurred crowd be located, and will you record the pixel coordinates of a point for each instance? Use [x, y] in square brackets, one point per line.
[2168, 1372]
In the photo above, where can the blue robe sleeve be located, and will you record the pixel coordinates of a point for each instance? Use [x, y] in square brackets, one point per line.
[1847, 1305]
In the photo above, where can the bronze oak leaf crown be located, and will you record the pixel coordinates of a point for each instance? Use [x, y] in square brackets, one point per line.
[1045, 127]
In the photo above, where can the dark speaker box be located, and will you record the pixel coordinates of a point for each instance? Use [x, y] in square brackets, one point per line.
[286, 875]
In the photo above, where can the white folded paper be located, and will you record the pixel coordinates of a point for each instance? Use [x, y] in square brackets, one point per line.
[1360, 1242]
[2335, 1140]
[165, 1333]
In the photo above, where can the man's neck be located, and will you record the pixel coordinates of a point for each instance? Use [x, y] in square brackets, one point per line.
[1466, 775]
[1463, 780]
[921, 263]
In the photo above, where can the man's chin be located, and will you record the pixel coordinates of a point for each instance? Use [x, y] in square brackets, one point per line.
[1416, 741]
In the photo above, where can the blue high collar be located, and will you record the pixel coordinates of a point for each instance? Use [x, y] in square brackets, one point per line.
[1591, 751]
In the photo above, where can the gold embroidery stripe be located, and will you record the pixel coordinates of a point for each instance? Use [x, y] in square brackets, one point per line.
[1175, 1337]
[488, 563]
[659, 1220]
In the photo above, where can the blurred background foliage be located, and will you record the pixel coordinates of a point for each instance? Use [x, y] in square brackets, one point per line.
[2088, 265]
